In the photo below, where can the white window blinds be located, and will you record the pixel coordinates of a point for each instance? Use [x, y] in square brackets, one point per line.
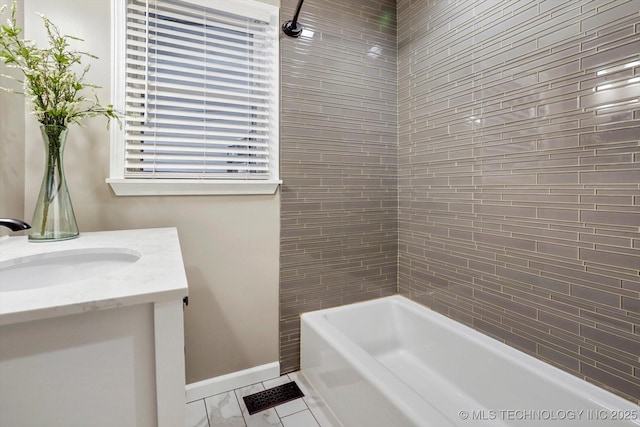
[199, 92]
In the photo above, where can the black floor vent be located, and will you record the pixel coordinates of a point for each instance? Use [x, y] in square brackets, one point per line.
[272, 397]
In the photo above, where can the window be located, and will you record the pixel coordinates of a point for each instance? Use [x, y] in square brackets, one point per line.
[197, 82]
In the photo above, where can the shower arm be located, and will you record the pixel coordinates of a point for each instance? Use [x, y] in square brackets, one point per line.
[293, 28]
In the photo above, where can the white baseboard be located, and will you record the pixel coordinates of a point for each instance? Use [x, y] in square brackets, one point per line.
[246, 377]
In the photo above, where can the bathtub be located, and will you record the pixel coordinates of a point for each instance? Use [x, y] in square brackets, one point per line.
[392, 362]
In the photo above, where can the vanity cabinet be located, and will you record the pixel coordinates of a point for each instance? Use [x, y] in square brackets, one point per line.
[113, 361]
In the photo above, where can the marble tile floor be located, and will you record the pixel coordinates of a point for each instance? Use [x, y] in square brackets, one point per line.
[228, 409]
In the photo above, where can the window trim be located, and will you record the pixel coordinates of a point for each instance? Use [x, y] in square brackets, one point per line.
[165, 186]
[184, 187]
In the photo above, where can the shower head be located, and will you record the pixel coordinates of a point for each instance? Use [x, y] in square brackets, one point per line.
[293, 28]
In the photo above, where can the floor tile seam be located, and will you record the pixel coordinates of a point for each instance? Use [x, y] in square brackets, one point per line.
[316, 419]
[235, 395]
[303, 401]
[308, 396]
[206, 412]
[310, 412]
[296, 412]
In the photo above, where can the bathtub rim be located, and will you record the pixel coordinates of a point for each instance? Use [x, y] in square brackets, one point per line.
[570, 383]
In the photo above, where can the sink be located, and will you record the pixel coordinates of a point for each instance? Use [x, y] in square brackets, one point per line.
[62, 267]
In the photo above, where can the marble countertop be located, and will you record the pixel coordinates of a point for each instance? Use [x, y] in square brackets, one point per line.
[157, 276]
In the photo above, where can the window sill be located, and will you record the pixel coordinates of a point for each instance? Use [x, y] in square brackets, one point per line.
[177, 187]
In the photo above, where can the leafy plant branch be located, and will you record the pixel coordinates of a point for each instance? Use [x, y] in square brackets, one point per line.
[56, 92]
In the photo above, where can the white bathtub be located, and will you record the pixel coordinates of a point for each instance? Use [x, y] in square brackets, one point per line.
[392, 362]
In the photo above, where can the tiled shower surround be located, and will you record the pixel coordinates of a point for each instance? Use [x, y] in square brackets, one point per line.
[339, 229]
[518, 167]
[519, 174]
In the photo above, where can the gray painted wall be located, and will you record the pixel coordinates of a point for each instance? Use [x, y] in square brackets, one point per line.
[12, 144]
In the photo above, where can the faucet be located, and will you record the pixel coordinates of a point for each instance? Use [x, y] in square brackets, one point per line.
[14, 224]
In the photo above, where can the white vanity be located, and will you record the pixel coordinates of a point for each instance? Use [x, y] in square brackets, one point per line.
[91, 330]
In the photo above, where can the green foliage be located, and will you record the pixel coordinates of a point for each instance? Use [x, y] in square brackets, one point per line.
[58, 95]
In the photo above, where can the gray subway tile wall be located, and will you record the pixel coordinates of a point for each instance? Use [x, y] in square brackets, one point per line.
[480, 157]
[339, 230]
[519, 175]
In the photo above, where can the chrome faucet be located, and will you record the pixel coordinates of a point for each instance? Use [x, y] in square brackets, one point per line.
[14, 224]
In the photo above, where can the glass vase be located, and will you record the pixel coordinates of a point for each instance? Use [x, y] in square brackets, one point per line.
[53, 218]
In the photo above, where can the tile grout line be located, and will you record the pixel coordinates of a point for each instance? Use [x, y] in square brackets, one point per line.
[235, 395]
[206, 411]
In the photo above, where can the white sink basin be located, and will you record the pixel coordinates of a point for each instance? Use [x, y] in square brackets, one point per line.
[62, 267]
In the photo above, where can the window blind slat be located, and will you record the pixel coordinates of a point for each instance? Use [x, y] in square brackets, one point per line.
[179, 107]
[208, 150]
[199, 99]
[199, 167]
[160, 157]
[138, 143]
[156, 89]
[203, 124]
[173, 175]
[199, 132]
[193, 115]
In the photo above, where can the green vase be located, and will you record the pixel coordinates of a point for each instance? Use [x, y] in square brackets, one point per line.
[53, 218]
